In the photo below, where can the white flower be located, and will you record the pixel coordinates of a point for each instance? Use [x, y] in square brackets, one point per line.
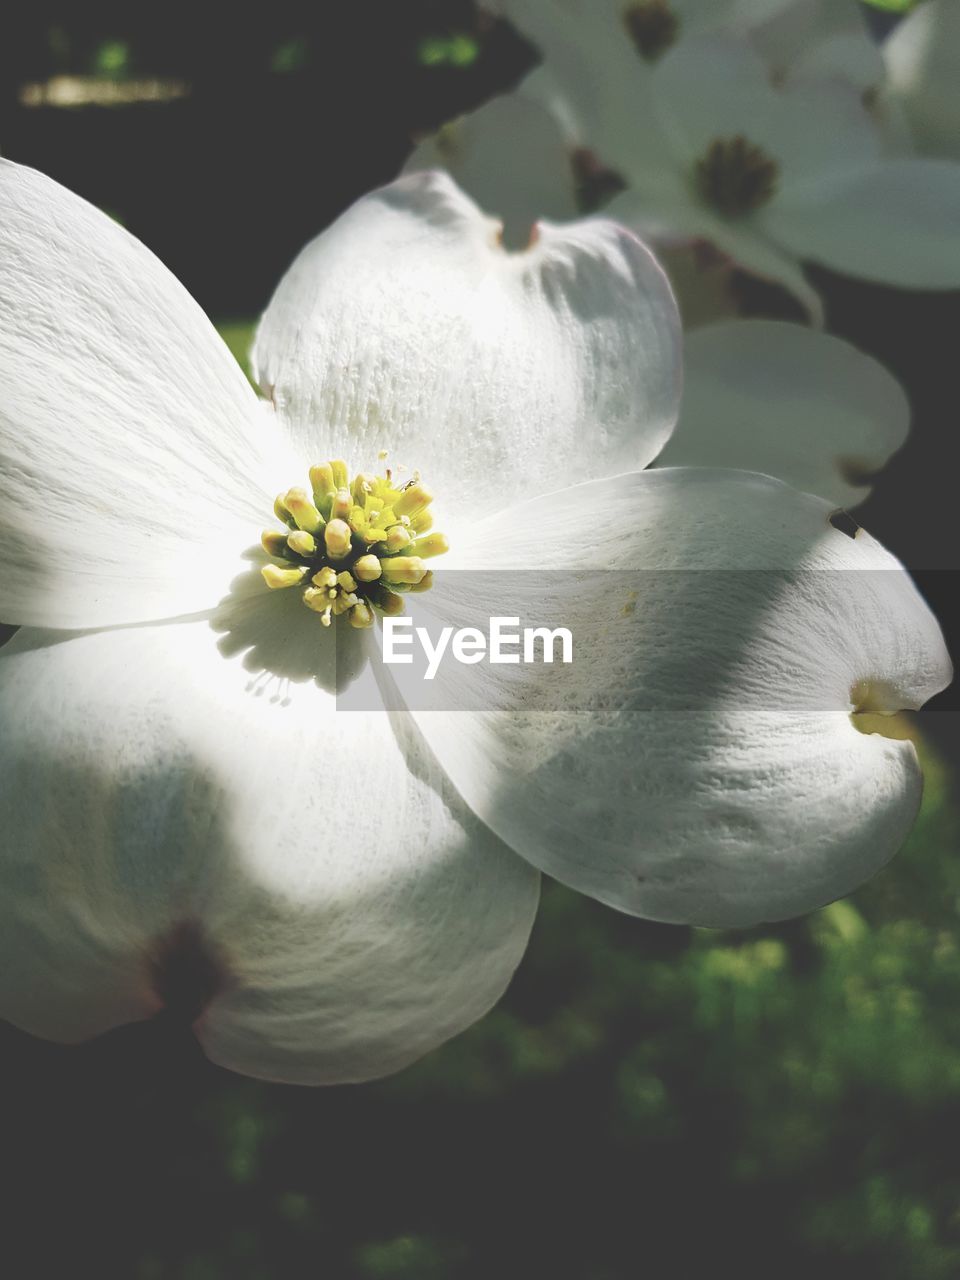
[773, 174]
[512, 156]
[182, 802]
[922, 59]
[758, 395]
[911, 79]
[655, 26]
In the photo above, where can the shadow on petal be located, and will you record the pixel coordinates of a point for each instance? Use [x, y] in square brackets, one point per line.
[282, 642]
[696, 762]
[303, 887]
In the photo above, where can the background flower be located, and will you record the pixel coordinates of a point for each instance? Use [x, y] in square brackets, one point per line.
[922, 61]
[758, 395]
[771, 174]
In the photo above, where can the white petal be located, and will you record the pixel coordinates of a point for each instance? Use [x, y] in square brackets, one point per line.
[407, 327]
[131, 445]
[805, 407]
[606, 86]
[512, 158]
[172, 808]
[744, 242]
[922, 57]
[849, 56]
[542, 86]
[816, 38]
[697, 761]
[742, 16]
[896, 223]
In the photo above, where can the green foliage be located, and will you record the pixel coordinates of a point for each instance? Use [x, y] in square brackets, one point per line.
[112, 58]
[453, 51]
[293, 55]
[238, 335]
[827, 1051]
[894, 6]
[405, 1258]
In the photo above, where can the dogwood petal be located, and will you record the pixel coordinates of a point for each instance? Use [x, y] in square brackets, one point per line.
[805, 407]
[697, 761]
[132, 449]
[849, 56]
[606, 86]
[742, 16]
[922, 58]
[817, 38]
[744, 242]
[406, 326]
[187, 820]
[896, 223]
[512, 158]
[541, 86]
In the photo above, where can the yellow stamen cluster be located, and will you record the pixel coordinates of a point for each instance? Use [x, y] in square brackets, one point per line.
[353, 546]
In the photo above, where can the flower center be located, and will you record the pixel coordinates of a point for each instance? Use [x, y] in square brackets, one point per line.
[353, 546]
[652, 26]
[735, 176]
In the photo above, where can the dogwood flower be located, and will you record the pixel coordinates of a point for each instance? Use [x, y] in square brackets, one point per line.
[551, 176]
[709, 148]
[909, 79]
[758, 395]
[792, 36]
[188, 812]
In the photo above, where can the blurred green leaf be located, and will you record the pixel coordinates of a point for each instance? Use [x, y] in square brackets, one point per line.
[894, 6]
[112, 58]
[453, 51]
[406, 1258]
[291, 56]
[238, 335]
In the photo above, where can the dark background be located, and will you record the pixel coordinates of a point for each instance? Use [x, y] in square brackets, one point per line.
[647, 1100]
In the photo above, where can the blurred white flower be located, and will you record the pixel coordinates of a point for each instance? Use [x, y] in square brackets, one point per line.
[793, 36]
[922, 58]
[817, 39]
[183, 804]
[773, 170]
[803, 406]
[550, 176]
